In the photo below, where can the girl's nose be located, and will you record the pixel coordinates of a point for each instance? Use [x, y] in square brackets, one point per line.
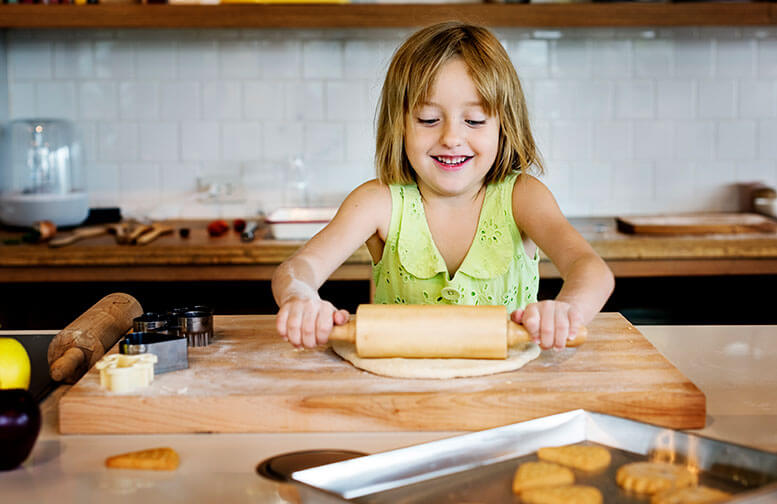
[451, 135]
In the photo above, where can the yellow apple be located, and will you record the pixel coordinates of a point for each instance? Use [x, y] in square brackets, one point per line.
[14, 365]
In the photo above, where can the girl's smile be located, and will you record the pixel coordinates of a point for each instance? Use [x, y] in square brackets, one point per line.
[451, 163]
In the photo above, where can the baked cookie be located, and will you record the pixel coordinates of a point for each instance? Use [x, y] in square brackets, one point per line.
[158, 459]
[570, 494]
[653, 477]
[540, 474]
[587, 458]
[691, 495]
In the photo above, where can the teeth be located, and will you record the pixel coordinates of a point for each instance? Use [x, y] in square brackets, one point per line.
[451, 160]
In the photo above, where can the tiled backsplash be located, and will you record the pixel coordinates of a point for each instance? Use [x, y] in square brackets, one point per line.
[628, 120]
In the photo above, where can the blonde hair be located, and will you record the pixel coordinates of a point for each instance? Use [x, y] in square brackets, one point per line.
[409, 81]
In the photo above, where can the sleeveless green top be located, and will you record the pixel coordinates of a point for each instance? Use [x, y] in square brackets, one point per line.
[495, 271]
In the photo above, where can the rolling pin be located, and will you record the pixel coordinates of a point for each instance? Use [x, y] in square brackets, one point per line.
[429, 331]
[77, 347]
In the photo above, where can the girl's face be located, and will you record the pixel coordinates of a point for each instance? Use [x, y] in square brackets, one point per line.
[450, 141]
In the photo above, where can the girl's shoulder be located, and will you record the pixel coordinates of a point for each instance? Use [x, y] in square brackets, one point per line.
[371, 200]
[372, 192]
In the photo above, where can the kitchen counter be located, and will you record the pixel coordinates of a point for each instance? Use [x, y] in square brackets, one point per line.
[202, 258]
[735, 367]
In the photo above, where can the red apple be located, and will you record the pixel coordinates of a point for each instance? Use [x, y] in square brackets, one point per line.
[19, 426]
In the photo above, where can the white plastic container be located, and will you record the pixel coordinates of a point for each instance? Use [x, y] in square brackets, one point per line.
[298, 223]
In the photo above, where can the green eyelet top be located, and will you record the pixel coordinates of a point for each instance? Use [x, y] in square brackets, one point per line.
[495, 271]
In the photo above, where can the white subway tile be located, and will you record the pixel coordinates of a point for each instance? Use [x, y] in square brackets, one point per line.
[736, 140]
[239, 59]
[757, 99]
[346, 100]
[198, 60]
[29, 60]
[332, 181]
[556, 178]
[590, 99]
[98, 100]
[138, 100]
[366, 59]
[282, 140]
[22, 101]
[322, 59]
[613, 141]
[716, 99]
[56, 99]
[570, 58]
[767, 58]
[634, 100]
[281, 59]
[764, 171]
[139, 186]
[159, 141]
[653, 58]
[634, 185]
[735, 58]
[591, 180]
[178, 177]
[73, 60]
[305, 101]
[551, 99]
[359, 142]
[86, 134]
[654, 140]
[103, 179]
[531, 58]
[114, 59]
[674, 181]
[693, 58]
[241, 141]
[155, 59]
[676, 99]
[179, 100]
[694, 140]
[263, 100]
[221, 100]
[200, 141]
[324, 142]
[767, 132]
[611, 58]
[118, 141]
[572, 140]
[713, 189]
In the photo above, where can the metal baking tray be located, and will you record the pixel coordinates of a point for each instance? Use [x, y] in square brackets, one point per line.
[479, 467]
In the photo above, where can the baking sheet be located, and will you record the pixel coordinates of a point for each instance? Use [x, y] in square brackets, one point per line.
[478, 467]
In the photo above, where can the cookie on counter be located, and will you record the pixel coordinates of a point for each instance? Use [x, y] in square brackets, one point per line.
[586, 458]
[691, 495]
[158, 459]
[541, 474]
[570, 494]
[653, 477]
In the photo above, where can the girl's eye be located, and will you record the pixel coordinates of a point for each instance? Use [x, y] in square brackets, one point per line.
[472, 122]
[427, 121]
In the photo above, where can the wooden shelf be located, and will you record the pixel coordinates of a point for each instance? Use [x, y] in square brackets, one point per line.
[627, 14]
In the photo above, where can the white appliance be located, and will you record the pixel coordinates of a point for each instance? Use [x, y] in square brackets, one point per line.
[41, 177]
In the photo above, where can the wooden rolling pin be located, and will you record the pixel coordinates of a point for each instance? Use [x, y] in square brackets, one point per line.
[428, 331]
[77, 347]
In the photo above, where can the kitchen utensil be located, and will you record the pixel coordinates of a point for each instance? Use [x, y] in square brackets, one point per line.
[41, 175]
[422, 331]
[280, 467]
[171, 350]
[479, 467]
[153, 233]
[78, 235]
[249, 233]
[137, 231]
[77, 347]
[702, 223]
[197, 327]
[149, 321]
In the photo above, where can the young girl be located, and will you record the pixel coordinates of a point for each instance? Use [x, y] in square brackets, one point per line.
[454, 217]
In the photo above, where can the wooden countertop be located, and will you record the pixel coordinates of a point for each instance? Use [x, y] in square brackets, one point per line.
[201, 257]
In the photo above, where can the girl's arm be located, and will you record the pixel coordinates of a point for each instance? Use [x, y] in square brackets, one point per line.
[588, 281]
[304, 319]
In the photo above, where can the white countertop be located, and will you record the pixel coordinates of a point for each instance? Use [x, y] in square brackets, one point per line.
[735, 367]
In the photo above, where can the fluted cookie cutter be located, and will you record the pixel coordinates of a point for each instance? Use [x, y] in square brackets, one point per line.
[171, 350]
[197, 326]
[123, 374]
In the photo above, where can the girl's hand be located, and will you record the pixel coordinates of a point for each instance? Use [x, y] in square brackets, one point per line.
[307, 322]
[550, 323]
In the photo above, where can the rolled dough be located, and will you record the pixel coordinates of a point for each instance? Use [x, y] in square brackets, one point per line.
[438, 368]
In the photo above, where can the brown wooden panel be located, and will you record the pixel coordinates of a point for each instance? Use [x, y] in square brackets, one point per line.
[249, 380]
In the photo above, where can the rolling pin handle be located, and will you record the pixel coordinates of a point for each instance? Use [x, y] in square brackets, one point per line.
[516, 333]
[66, 365]
[345, 332]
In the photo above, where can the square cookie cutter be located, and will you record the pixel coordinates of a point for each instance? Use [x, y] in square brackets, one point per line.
[171, 350]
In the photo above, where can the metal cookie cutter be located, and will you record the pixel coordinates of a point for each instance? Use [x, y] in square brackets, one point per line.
[171, 350]
[150, 321]
[126, 373]
[197, 327]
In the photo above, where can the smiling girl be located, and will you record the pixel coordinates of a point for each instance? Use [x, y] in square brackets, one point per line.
[455, 217]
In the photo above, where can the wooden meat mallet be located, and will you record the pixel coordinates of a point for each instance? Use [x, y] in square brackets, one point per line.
[429, 331]
[77, 347]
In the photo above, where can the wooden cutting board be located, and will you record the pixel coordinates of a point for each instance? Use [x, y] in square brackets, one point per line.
[701, 223]
[249, 380]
